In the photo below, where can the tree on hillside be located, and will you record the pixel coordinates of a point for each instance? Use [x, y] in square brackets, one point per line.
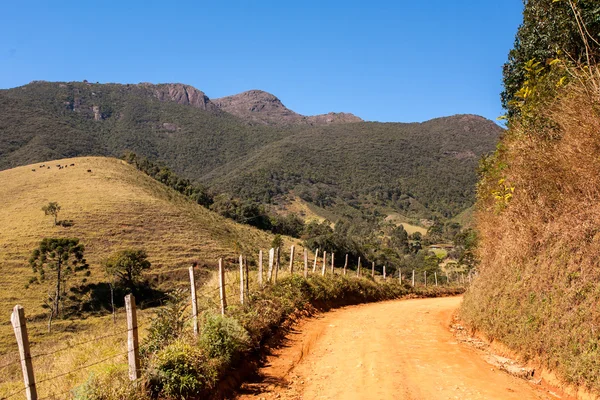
[127, 265]
[550, 28]
[399, 240]
[52, 209]
[57, 260]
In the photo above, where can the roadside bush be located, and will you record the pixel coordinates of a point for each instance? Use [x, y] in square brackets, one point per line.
[223, 338]
[112, 383]
[181, 371]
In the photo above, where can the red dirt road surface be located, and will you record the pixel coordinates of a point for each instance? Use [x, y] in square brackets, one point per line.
[397, 350]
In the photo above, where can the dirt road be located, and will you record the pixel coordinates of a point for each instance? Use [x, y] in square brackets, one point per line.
[393, 350]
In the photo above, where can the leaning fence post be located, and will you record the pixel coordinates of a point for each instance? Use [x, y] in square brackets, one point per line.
[271, 260]
[316, 259]
[373, 270]
[20, 327]
[133, 350]
[292, 251]
[305, 263]
[358, 268]
[346, 264]
[413, 278]
[194, 300]
[332, 270]
[260, 268]
[222, 287]
[241, 280]
[324, 263]
[435, 274]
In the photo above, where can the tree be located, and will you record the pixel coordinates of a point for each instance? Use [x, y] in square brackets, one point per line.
[399, 240]
[127, 265]
[550, 29]
[52, 209]
[277, 242]
[62, 258]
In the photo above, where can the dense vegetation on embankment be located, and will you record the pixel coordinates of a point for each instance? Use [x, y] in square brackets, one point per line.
[538, 287]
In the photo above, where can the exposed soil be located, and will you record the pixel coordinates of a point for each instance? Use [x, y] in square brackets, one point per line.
[393, 350]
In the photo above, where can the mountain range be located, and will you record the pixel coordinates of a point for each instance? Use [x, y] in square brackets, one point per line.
[251, 146]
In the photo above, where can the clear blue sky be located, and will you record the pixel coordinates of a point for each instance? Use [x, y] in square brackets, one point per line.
[381, 60]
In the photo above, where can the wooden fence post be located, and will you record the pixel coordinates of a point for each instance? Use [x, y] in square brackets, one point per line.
[358, 268]
[324, 263]
[241, 280]
[435, 273]
[305, 263]
[20, 327]
[260, 268]
[346, 264]
[277, 259]
[332, 265]
[292, 251]
[222, 293]
[247, 277]
[271, 261]
[384, 272]
[133, 348]
[316, 259]
[194, 300]
[425, 272]
[413, 278]
[373, 270]
[400, 275]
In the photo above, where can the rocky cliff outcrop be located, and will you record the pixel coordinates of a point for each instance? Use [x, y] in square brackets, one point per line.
[262, 107]
[181, 94]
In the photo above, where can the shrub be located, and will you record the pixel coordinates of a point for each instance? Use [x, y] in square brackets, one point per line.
[223, 338]
[112, 383]
[181, 371]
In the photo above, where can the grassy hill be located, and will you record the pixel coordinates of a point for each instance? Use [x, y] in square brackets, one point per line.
[112, 207]
[420, 169]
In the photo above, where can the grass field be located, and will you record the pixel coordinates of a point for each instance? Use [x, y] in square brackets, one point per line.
[398, 219]
[112, 207]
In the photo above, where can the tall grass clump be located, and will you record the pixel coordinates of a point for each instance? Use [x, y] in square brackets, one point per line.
[538, 287]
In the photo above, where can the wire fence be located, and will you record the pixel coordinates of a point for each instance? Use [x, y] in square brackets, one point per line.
[208, 298]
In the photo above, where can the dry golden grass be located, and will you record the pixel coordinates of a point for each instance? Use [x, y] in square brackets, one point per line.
[398, 220]
[113, 207]
[539, 285]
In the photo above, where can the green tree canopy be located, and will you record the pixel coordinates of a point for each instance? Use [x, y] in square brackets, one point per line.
[52, 209]
[127, 265]
[550, 28]
[58, 259]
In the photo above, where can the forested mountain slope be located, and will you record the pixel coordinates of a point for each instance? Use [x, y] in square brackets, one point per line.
[424, 168]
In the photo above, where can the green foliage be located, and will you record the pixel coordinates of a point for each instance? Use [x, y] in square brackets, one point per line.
[549, 30]
[181, 371]
[223, 338]
[58, 259]
[167, 326]
[111, 383]
[127, 265]
[52, 209]
[277, 242]
[163, 174]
